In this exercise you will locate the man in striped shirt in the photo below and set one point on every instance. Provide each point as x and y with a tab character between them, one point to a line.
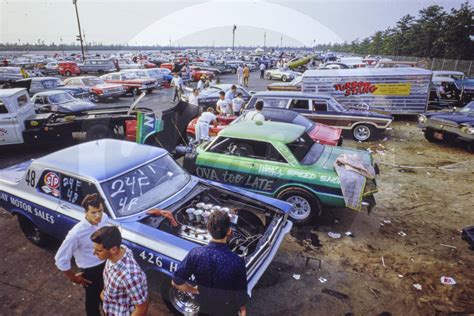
125	285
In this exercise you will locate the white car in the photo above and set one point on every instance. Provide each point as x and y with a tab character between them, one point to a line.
280	74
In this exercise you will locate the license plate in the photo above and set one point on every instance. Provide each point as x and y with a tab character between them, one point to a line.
438	135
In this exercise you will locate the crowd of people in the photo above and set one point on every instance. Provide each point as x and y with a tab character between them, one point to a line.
115	284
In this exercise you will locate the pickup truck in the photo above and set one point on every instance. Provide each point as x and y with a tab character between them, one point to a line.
45	195
19	124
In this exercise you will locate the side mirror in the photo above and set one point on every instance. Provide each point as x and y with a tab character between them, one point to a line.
252	92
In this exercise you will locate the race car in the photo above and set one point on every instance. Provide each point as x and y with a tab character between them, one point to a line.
46	194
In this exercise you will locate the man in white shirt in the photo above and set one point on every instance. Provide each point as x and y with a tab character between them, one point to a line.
262	70
223	105
193	97
240	74
78	245
255	115
200	84
203	123
237	103
178	85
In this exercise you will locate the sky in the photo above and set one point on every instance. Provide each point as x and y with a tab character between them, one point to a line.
200	23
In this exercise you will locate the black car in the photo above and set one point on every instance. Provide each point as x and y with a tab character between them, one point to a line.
455	126
210	96
41	84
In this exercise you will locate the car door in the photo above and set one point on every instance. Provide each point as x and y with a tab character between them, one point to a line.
23	112
8	132
323	112
300	105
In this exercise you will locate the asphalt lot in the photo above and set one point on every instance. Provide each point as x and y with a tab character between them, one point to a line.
367	274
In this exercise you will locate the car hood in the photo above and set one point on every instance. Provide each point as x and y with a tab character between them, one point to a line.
327	135
106	86
71	88
456	117
330	154
75	106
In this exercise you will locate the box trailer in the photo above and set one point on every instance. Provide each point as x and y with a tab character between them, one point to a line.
391	90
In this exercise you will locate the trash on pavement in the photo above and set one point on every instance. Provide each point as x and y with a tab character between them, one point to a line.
402	233
296	276
448	280
334	235
322	280
417	286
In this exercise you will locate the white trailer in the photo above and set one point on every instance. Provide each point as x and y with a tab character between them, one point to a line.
390	90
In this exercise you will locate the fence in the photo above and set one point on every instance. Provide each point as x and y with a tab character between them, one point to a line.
441	63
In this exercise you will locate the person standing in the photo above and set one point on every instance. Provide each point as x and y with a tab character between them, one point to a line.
125	285
78	245
246	74
220	275
240	73
237	104
255	115
193	97
200	84
178	85
262	70
24	73
201	129
223	105
232	93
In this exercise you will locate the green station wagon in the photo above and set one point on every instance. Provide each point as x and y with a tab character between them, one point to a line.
276	159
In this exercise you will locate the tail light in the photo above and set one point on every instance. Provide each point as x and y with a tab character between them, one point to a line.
131	130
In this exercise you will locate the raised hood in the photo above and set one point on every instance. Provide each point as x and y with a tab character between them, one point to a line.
330	153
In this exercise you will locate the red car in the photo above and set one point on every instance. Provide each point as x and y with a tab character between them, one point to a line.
99	89
68	68
169	66
197	73
130	82
320	133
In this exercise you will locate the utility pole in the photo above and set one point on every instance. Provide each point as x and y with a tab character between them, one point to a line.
62	45
264	41
170	44
281	42
79	38
233	37
85	42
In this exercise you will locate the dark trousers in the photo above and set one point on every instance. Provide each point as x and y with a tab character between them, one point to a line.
262	72
95	275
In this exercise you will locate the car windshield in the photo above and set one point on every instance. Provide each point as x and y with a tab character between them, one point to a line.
145	187
469	108
93	81
336	106
165	71
296	81
303	121
60	98
52	83
129	75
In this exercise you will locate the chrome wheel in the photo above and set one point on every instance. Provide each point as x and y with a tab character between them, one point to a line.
301	207
362	132
94	97
183	302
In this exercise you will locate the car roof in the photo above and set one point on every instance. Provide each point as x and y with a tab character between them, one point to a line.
264	131
360	72
290	94
51	92
101	159
43	78
439	73
5	93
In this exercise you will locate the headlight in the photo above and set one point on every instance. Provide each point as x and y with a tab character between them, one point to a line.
468	129
421	118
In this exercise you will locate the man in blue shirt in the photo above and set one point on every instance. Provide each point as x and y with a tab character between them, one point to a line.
220	275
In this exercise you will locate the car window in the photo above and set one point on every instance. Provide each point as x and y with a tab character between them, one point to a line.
320	105
240	147
22	100
39	100
48	84
3	108
274	102
36	86
240	90
115	77
299	104
305	150
273	154
74	190
49	183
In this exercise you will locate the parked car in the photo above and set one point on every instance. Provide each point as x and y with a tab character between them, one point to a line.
99	89
449	89
50	68
10	74
322	108
167	76
130	82
40	84
280	74
455	126
293	85
68	68
99	66
197	73
46	194
319	133
277	159
125	63
209	96
148	74
60	101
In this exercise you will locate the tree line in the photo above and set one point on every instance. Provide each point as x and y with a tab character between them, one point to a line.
435	33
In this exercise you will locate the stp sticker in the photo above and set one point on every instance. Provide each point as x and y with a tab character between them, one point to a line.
51	181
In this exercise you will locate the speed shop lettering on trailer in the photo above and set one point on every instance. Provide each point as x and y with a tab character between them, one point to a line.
27	207
250	181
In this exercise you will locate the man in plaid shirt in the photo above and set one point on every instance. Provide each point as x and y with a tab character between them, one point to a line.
125	286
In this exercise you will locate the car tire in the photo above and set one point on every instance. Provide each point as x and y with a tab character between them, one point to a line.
179	303
470	147
233	70
268	76
190	138
362	132
305	204
68	73
284	78
98	131
100	72
149	90
32	232
116	98
135	92
94	98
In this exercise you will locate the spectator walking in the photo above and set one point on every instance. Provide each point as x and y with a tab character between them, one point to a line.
262	70
246	74
240	73
178	85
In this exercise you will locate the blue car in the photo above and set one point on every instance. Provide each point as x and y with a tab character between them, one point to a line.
45	194
455	126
